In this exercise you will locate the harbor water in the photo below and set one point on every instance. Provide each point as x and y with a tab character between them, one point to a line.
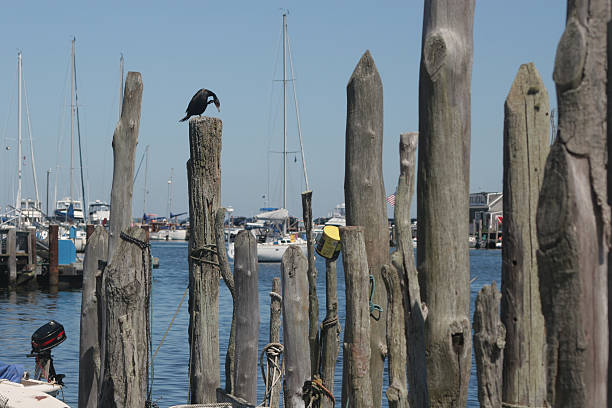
22	312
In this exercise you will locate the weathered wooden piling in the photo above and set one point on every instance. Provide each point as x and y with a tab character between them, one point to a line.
573	218
415	312
89	229
53	255
364	193
294	267
397	393
204	179
247	316
526	146
443	191
275	332
125	139
330	333
12	251
356	383
89	346
489	342
228	278
313	300
32	261
127	282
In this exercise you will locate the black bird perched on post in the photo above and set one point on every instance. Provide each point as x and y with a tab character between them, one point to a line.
199	102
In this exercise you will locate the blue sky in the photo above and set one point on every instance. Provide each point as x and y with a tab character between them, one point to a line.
233	48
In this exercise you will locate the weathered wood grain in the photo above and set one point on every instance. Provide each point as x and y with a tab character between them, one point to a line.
294	267
275	337
125	139
247	316
53	255
127	292
443	191
330	332
89	343
526	146
364	192
573	218
489	342
356	382
313	300
204	184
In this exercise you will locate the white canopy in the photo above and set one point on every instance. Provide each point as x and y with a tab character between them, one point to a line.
277	215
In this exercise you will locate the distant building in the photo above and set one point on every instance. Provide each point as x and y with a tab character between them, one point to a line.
487	207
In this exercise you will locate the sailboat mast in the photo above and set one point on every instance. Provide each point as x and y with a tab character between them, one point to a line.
284	111
72	124
19	75
146	191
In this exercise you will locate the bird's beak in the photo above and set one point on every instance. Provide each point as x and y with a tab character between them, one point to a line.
218	105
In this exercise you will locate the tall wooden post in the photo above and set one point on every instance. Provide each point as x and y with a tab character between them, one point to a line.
573	218
89	345
12	251
247	317
127	282
125	140
32	261
295	325
356	383
89	229
313	300
364	193
489	342
415	312
53	255
443	191
204	178
526	146
330	332
275	326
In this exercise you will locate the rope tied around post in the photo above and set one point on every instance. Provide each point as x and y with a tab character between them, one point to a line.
198	254
313	391
374	306
273	352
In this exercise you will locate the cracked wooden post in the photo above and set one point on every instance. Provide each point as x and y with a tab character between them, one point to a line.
415	312
356	383
127	283
125	139
330	332
53	255
313	300
275	326
526	146
294	267
573	218
89	344
204	183
247	317
228	278
364	193
443	191
489	342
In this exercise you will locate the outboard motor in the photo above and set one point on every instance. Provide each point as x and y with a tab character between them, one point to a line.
44	339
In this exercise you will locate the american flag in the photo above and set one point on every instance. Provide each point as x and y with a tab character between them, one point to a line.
391	200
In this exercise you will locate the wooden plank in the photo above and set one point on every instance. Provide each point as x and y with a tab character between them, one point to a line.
526	146
204	183
125	139
247	316
573	218
489	343
330	333
364	192
127	292
443	191
415	312
313	300
89	344
356	383
294	267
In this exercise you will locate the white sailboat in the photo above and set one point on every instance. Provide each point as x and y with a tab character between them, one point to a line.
273	248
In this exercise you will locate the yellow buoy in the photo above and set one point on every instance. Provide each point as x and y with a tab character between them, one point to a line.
329	243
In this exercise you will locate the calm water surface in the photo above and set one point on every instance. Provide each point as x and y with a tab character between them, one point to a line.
22	312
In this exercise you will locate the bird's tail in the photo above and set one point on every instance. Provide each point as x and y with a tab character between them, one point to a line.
185	118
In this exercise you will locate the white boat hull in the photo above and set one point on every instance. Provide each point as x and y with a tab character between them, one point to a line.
14	395
271	252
